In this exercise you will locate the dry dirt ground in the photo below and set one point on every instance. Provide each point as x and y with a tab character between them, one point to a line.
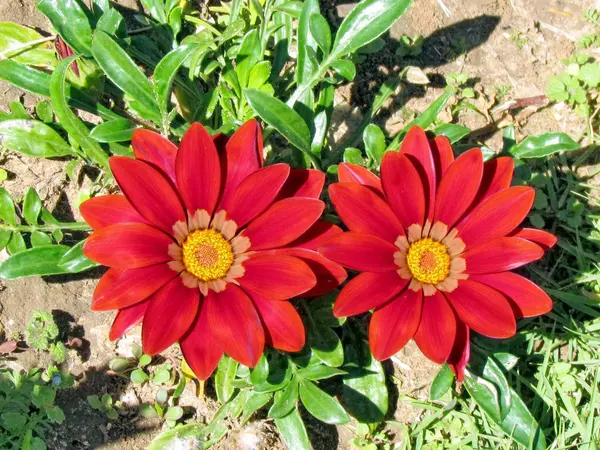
513	43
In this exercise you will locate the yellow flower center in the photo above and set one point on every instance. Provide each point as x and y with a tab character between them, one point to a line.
428	261
207	254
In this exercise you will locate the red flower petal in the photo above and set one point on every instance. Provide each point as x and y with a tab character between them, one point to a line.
360	251
283	326
461	351
154	149
501	254
100	212
149	191
544	239
285	221
119	288
276	277
316	235
367	291
353	173
483	309
497	175
128	246
303	183
235	324
363	210
416	145
198	170
458	187
441	151
243	155
394	324
169	316
199	348
437	330
256	193
126	319
403	188
528	298
497	215
329	274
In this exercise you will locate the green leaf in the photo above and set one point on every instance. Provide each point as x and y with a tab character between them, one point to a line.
256	401
144	360
78	132
165	72
37	261
364	394
292	8
118	130
70	21
112	22
321	405
138	376
38	82
122	71
174	413
509	138
541	145
248	56
281	117
260	373
13	40
285	400
556	90
224	378
42	396
74	260
162	376
304	67
452	131
94	402
441	383
319	28
32	206
44	111
326	345
365	23
292	431
345	68
374	140
319	372
39	239
14	422
485	395
494	374
590	74
259	75
55	414
7	208
16	243
119	365
156	9
33	138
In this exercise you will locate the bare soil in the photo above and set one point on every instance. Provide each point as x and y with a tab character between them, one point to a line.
514	43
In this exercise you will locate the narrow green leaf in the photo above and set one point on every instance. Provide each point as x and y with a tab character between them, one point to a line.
543	145
319	28
38	82
485	395
70	21
78	132
248	56
156	9
122	71
292	8
374	140
304	67
281	117
292	431
256	401
119	130
33	138
37	261
74	261
493	373
365	23
260	373
321	405
441	383
285	400
224	378
452	131
165	72
112	22
7	208
319	372
32	206
509	138
13	40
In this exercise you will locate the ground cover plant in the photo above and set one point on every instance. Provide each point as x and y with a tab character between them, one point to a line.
289	267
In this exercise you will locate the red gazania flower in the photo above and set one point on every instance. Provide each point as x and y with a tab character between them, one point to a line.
206	244
435	240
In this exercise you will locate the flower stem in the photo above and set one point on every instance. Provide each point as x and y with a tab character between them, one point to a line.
48	228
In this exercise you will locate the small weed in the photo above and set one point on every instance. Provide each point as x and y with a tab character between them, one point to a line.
42	334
